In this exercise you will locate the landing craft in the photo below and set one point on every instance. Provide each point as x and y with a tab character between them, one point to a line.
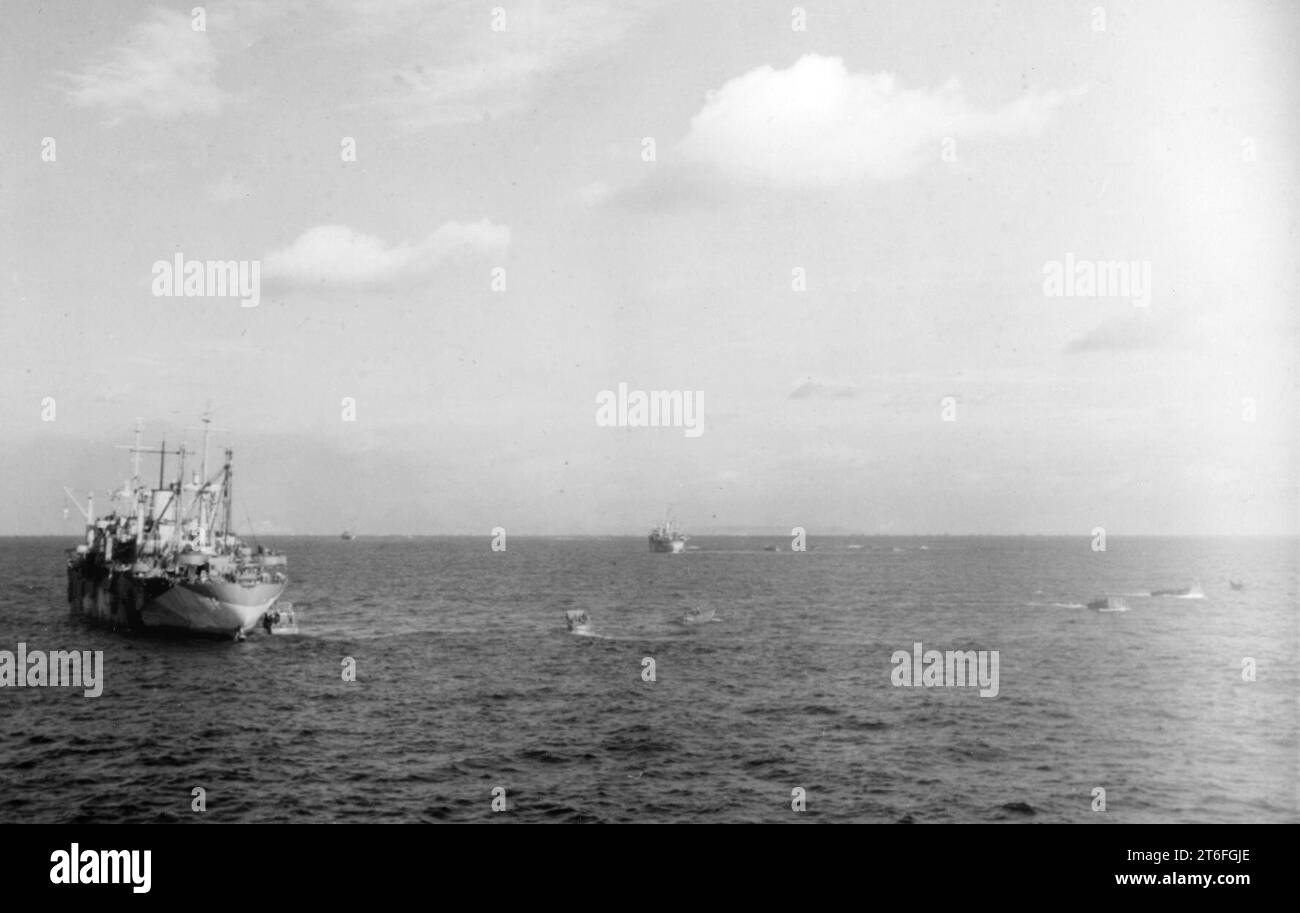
697	616
167	558
579	622
280	620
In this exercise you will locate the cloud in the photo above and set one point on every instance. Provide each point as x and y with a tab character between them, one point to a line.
165	69
227	190
461	70
811	389
1188	325
337	255
594	194
440	64
817	124
1118	335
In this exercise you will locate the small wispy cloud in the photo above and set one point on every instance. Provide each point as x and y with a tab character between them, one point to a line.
812	389
227	190
594	194
337	255
817	124
1141	330
461	70
164	69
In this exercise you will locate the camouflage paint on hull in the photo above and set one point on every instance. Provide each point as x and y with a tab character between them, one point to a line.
211	607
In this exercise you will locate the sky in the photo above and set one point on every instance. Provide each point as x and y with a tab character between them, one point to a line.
835	223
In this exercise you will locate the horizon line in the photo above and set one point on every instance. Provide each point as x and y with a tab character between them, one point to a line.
734	534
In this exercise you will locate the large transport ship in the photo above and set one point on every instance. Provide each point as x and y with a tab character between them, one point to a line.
166	558
666	537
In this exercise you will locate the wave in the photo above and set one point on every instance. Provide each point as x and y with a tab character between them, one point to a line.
1192	592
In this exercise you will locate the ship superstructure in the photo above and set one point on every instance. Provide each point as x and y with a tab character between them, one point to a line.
167	557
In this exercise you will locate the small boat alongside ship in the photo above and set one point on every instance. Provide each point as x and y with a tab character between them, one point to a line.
579	622
167	559
1109	604
668	538
280	619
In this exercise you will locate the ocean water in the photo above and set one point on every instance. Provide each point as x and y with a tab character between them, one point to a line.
467	680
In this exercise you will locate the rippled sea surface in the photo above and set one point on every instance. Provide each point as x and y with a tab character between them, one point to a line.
467	680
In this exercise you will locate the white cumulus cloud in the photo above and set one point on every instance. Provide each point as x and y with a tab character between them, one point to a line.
817	124
337	255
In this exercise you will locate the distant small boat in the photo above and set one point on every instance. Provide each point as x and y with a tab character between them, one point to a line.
1109	604
579	623
697	616
348	534
771	548
1236	584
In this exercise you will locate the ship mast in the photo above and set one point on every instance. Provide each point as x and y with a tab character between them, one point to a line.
143	496
226	492
205	516
135	455
206	419
180	501
136	451
136	493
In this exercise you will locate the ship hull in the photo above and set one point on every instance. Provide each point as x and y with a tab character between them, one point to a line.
667	546
211	608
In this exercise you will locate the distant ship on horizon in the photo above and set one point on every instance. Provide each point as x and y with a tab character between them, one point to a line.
667	538
348	534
